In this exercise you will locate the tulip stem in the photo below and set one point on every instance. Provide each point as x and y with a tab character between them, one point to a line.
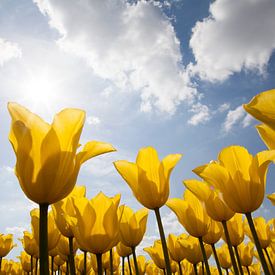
229	245
123	263
247	269
204	256
164	272
0	263
180	269
163	242
195	269
238	259
216	258
71	256
52	264
269	260
43	239
85	262
111	262
226	270
99	264
36	266
257	243
129	265
135	260
31	265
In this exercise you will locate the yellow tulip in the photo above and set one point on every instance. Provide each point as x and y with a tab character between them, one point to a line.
214	233
123	250
176	252
210	196
149	177
53	232
132	226
6	244
191	247
97	223
235	228
156	254
106	261
191	214
64	211
238	172
151	268
263	232
58	260
246	252
79	260
47	163
262	107
63	246
25	260
224	257
29	244
271	197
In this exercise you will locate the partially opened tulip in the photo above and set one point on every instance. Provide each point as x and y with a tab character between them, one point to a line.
238	172
132	228
149	180
25	260
224	257
246	252
156	254
6	245
47	162
97	224
192	215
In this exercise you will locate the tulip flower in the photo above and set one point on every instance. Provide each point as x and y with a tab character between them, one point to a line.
192	215
47	162
246	252
149	180
177	254
81	266
132	228
193	251
63	212
271	197
6	245
96	227
238	172
25	260
224	257
156	254
123	251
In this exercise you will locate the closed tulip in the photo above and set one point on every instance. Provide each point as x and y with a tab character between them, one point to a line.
63	246
176	252
53	232
6	245
29	243
246	252
25	260
235	229
123	250
224	257
156	254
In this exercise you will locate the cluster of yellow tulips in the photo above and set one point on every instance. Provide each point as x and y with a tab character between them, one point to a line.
106	234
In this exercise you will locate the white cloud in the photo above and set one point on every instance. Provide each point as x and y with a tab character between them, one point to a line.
16	230
236	117
93	120
201	114
236	35
8	50
132	45
171	224
224	107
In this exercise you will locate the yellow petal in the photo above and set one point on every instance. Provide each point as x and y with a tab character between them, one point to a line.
92	149
198	188
267	134
271	197
262	107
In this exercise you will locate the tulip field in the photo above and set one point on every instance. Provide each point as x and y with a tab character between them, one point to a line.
75	234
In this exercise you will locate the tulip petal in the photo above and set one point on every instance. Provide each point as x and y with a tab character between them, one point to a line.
271	197
262	107
198	188
267	135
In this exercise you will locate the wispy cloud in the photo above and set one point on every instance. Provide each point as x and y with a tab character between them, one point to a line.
8	50
201	114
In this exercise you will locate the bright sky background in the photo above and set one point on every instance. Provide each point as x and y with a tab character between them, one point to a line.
171	74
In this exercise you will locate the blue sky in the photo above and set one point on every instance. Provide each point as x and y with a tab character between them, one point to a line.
170	74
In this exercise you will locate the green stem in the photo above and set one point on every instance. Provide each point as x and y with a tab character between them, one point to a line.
163	242
216	258
195	269
257	243
229	245
129	265
52	264
111	262
226	270
99	264
164	272
43	239
123	260
71	256
204	256
269	260
85	262
58	270
202	268
0	263
36	266
67	267
135	260
247	269
238	259
180	269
